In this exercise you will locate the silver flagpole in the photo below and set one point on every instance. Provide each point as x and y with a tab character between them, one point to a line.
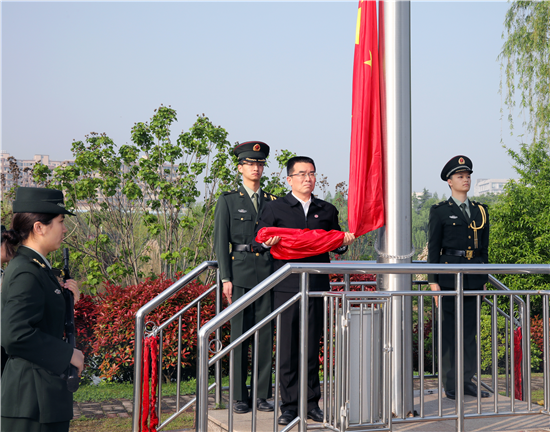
394	240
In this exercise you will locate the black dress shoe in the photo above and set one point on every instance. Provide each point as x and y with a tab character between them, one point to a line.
241	407
471	390
287	417
316	414
264	405
450	394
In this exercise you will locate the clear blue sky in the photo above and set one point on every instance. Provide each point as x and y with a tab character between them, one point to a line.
277	72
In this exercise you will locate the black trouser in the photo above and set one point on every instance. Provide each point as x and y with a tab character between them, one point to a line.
289	352
240	324
11	424
448	330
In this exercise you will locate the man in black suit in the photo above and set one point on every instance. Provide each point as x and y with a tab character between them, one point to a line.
300	209
458	234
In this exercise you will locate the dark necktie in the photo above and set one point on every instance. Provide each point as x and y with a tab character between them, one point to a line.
255	201
463	208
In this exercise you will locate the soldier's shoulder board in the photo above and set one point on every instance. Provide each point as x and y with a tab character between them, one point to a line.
229	193
439	204
269	197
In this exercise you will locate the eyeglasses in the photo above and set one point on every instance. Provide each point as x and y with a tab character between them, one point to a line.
302	175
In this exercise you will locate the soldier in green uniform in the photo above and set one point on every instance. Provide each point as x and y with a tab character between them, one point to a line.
34	396
458	234
243	264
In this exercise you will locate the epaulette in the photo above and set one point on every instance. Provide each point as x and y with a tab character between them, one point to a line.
269	196
479	203
438	204
229	193
34	260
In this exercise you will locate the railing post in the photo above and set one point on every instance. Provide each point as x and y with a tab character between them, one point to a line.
304	312
202	383
138	353
218	370
459	390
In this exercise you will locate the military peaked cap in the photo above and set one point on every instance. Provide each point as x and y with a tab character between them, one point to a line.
456	164
39	200
253	151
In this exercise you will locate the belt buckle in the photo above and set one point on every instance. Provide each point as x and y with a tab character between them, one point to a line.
469	254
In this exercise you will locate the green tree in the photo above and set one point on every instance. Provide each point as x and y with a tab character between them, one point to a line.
520	220
146	207
420	215
525	58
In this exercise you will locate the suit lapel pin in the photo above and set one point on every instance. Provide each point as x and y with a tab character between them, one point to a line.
316	216
57	291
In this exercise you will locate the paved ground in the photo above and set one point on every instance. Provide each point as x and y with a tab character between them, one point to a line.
123	407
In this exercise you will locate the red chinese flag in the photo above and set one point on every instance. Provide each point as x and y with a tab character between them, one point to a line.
365	196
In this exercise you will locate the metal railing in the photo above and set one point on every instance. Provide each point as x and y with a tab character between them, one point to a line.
204	362
333	389
141	331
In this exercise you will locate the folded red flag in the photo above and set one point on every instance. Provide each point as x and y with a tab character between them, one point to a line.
300	243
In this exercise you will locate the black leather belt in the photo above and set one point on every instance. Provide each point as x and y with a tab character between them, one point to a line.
246	248
461	253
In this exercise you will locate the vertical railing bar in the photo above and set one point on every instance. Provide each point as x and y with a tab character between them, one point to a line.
494	352
459	322
325	354
546	349
439	356
231	388
347	287
218	368
159	399
178	375
330	368
361	362
277	377
254	389
527	351
507	356
434	356
372	352
478	351
303	375
346	363
420	314
390	363
512	356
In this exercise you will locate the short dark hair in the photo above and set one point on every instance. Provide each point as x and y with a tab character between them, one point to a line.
297	159
23	223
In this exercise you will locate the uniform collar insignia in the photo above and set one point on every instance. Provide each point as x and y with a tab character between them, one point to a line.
242	211
241	193
39	263
453	217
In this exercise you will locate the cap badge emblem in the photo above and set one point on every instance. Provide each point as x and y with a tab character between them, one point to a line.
461	161
256	147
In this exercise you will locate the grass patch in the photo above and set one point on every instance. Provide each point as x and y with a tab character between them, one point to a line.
83	424
107	391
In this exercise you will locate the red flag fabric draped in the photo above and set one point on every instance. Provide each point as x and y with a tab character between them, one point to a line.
365	196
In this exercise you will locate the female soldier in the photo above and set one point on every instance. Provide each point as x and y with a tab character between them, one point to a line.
34	396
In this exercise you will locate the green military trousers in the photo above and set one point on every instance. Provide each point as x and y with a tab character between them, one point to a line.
240	324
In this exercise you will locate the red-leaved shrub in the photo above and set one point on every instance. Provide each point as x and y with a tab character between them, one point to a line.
537	332
106	326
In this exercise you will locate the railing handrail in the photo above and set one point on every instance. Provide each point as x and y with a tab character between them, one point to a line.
140	327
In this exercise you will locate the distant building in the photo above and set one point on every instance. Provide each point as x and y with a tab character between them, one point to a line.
485	186
19	171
